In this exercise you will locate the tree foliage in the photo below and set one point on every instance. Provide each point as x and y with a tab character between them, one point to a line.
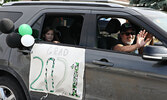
5	1
156	4
9	0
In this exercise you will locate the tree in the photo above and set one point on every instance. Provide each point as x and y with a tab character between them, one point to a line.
5	1
156	4
9	0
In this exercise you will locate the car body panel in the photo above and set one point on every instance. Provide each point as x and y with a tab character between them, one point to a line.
121	74
19	56
108	74
4	51
122	80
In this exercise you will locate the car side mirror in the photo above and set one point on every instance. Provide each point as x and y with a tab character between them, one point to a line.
155	53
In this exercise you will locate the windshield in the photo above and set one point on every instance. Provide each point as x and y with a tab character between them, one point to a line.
157	17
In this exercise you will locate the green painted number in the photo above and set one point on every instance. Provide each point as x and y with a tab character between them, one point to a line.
38	75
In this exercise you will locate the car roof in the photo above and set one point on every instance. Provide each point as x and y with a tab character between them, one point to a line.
63	3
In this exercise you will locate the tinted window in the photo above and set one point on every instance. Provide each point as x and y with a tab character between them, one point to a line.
37	26
14	16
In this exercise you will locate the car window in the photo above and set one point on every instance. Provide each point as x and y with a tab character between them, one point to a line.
14	16
110	34
108	31
66	27
37	26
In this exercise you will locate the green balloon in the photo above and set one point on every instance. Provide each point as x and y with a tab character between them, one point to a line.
25	29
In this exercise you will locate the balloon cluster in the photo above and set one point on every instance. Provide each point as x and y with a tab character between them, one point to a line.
25	31
15	40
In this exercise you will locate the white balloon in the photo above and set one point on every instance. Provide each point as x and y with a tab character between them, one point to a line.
27	40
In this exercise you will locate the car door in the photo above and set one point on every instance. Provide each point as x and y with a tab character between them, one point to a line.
112	75
43	55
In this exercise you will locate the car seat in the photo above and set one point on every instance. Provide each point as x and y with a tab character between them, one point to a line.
75	30
65	35
107	42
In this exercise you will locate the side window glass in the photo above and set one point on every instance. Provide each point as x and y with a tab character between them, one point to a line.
122	35
37	27
14	16
65	29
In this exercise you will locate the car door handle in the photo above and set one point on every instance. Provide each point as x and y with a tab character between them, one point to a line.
103	63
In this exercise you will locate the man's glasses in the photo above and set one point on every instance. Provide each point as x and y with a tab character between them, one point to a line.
128	33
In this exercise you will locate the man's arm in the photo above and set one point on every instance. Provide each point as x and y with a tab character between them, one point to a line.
139	43
129	48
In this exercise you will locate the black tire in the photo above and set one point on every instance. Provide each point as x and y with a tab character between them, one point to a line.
10	88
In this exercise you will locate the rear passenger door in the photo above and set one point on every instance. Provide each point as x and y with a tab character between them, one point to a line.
64	80
112	75
48	61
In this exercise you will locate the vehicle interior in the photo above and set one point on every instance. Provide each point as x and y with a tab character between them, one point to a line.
68	27
109	31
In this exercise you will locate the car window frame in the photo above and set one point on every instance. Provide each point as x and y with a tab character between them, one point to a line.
64	11
41	25
129	16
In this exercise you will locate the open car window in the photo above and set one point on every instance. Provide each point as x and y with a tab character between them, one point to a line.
67	27
109	34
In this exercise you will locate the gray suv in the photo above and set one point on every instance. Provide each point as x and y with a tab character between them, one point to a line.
83	65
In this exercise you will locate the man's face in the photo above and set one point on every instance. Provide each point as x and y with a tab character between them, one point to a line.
128	37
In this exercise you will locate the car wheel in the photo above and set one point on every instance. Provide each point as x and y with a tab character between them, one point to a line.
10	89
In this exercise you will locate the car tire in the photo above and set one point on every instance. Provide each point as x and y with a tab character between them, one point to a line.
10	89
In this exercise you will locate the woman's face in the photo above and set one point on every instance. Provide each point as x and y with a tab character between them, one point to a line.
49	36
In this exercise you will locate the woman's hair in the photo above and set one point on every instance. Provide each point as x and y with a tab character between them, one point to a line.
56	34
